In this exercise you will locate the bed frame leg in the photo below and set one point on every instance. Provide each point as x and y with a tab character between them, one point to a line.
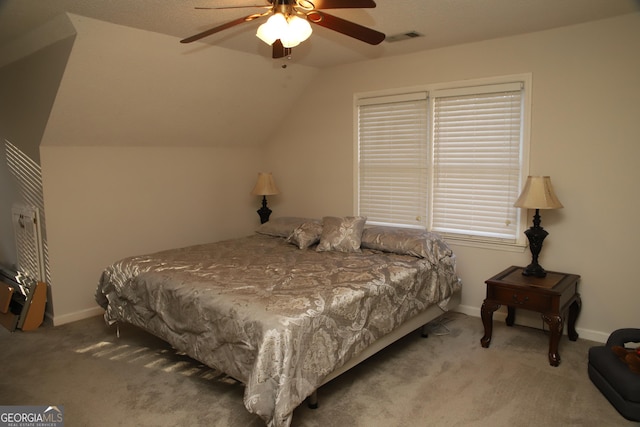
424	331
312	401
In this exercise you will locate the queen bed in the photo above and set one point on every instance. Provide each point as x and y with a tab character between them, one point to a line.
289	308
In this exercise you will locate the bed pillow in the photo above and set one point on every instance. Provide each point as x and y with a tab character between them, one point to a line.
282	226
341	234
305	235
406	241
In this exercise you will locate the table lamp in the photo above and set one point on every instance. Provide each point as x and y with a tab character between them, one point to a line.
265	186
537	194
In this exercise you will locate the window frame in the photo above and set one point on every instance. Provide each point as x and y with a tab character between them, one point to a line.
461	239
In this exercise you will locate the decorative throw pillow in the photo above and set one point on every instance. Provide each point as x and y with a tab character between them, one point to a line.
406	241
341	234
305	234
283	226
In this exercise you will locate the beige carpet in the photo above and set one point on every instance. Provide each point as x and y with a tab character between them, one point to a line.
444	380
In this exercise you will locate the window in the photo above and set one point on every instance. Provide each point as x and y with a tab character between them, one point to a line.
31	243
449	160
393	172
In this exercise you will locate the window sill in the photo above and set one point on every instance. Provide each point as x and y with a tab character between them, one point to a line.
498	246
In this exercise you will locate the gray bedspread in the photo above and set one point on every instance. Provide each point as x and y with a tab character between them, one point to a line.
275	317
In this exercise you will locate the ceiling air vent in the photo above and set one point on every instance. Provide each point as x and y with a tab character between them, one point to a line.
403	36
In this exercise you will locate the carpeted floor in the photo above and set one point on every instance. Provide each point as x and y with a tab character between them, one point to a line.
447	379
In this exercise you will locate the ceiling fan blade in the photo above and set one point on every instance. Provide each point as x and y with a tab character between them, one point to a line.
220	28
345	27
233	7
279	51
339	4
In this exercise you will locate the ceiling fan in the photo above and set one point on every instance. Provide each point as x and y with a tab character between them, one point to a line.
288	22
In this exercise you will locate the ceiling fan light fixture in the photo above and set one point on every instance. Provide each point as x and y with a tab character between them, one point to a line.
272	30
291	30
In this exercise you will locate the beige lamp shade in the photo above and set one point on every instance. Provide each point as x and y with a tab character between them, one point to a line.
538	194
265	186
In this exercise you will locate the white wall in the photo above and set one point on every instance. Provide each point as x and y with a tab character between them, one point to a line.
135	138
584	135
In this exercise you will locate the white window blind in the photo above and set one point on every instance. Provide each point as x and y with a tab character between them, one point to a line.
393	159
477	135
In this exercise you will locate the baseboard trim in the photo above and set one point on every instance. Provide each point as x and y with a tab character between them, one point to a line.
529	319
77	315
532	320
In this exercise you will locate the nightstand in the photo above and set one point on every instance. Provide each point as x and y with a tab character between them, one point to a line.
553	296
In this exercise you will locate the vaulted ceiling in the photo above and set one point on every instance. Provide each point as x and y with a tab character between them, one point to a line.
441	22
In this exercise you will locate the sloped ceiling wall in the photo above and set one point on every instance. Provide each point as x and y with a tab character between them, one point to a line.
131	87
30	72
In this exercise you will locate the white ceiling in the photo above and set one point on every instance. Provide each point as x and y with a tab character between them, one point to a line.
442	22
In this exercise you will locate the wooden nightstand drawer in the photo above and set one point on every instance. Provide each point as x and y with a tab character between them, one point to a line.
518	299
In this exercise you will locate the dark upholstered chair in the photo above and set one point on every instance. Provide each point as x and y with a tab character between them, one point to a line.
613	377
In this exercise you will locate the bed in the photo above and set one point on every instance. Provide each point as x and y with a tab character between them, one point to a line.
290	307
